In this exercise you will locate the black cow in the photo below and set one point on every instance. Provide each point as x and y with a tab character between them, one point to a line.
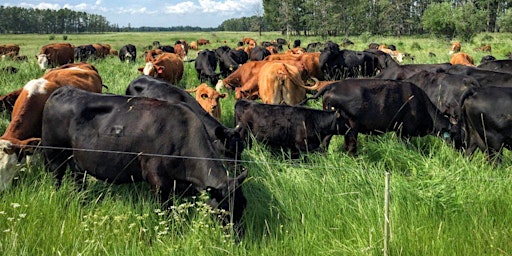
487	58
486	113
375	106
314	47
226	140
396	71
258	53
504	66
84	52
296	128
166	48
122	139
444	90
205	64
484	77
296	43
128	53
338	64
230	59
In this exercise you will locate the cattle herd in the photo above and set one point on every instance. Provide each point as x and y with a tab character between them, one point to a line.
124	138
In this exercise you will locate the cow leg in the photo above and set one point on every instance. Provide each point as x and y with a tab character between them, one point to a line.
154	173
56	161
350	143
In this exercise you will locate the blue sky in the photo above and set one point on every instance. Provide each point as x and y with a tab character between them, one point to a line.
202	13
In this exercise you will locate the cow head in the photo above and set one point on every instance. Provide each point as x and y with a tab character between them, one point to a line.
42	60
12	157
148	69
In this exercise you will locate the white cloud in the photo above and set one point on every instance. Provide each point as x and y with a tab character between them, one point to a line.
182	8
40	6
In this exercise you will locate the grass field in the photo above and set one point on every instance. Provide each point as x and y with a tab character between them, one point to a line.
442	203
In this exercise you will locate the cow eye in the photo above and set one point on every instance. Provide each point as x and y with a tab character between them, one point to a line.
204	96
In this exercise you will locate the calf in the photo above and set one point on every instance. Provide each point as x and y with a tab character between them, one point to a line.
88	130
296	128
375	106
462	58
128	53
226	140
209	99
24	130
167	66
486	119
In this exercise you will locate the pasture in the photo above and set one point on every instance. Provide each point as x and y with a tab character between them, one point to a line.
442	203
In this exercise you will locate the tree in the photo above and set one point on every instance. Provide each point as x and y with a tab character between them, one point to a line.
438	19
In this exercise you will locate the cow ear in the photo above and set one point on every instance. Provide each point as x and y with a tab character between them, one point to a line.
160	70
140	69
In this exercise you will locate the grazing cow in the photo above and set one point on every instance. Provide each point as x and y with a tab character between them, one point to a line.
310	60
297	128
280	83
88	130
166	66
504	66
7	101
338	64
375	106
314	47
128	53
209	99
56	54
486	58
203	41
205	65
258	53
484	48
9	70
102	50
84	52
373	46
486	114
166	48
150	55
181	48
395	71
230	59
13	49
24	130
193	45
226	140
462	59
454	48
296	43
484	77
444	90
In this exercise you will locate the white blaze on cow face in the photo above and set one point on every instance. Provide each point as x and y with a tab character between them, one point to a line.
127	57
9	166
42	61
148	69
36	86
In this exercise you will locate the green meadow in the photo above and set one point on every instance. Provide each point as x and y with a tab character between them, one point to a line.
441	202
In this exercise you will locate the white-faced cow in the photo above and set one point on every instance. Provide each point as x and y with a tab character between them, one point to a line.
54	55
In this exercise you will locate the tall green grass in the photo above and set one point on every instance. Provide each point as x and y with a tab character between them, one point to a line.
442	203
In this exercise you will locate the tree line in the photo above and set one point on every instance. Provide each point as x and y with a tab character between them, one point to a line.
325	18
448	18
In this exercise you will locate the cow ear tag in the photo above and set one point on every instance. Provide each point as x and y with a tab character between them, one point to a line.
446	135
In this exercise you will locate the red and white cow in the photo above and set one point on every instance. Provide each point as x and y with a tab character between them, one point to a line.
166	66
56	54
24	130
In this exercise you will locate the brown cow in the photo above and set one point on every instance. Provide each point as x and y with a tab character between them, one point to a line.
179	49
281	83
150	55
24	129
310	60
484	48
7	101
202	41
56	54
193	45
462	59
9	48
209	99
167	66
455	48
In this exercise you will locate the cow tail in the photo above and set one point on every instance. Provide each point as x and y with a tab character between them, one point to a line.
319	94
